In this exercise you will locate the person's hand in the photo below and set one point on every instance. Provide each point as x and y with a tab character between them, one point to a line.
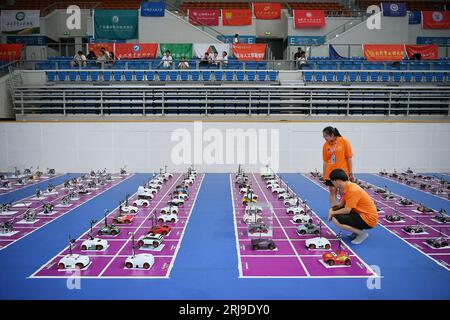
352	178
330	214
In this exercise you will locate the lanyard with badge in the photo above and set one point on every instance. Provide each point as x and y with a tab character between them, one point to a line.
333	153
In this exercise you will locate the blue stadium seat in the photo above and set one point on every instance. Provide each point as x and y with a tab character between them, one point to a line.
73	75
128	75
318	75
363	75
307	76
329	76
51	75
397	76
418	76
429	77
262	65
184	75
273	75
239	75
173	75
385	76
352	76
439	76
83	75
407	76
150	75
139	75
206	75
94	75
107	75
117	75
340	76
251	75
229	75
373	76
195	75
62	75
262	75
218	75
162	75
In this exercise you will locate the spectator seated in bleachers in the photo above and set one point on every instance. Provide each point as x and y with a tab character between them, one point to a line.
78	60
104	58
302	61
206	60
183	64
166	60
91	56
224	59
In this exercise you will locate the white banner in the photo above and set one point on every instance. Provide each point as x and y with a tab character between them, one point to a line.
201	48
20	21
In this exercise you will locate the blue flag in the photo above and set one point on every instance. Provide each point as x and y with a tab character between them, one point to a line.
153	9
393	9
332	53
415	17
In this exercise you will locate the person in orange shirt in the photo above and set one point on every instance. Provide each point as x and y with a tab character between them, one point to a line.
356	212
337	154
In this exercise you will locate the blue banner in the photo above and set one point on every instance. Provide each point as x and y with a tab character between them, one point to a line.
332	53
440	41
242	39
28	40
415	17
153	9
393	9
305	40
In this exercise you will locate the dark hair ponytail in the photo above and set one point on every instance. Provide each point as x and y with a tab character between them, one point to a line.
332	131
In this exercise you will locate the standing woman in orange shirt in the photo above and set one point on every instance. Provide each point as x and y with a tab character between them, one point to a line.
337	154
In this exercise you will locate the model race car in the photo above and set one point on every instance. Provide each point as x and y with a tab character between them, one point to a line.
442	217
406	202
140	261
128	209
286	196
413	229
257	228
393	218
292	202
307	228
440	242
73	261
251	216
302	218
168	218
169	209
176	201
318	243
123	219
252	208
278	190
160	229
422	208
262	244
148	240
93	244
388	196
337	258
108	229
249	198
141	203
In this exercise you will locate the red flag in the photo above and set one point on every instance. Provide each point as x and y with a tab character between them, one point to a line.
383	52
309	19
267	10
252	52
204	17
97	46
136	50
436	19
10	51
236	17
427	51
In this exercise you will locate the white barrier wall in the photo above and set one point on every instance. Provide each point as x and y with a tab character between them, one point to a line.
146	146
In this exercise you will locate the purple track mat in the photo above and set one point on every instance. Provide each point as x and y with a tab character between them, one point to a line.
434	186
410	217
18	208
14	186
110	262
291	258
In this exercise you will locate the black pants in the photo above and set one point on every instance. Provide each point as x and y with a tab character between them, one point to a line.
352	219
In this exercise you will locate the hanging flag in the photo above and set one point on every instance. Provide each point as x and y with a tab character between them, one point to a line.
309	19
383	52
305	40
10	51
252	52
201	48
436	19
153	9
204	17
97	46
236	17
440	41
415	17
332	53
177	50
393	9
20	21
136	50
242	39
427	52
267	10
115	24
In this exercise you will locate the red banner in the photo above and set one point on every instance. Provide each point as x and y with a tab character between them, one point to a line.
10	52
267	10
236	17
252	52
383	52
436	19
136	50
309	19
97	46
427	51
204	17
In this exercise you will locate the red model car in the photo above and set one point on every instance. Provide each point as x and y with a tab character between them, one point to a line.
123	219
159	229
337	258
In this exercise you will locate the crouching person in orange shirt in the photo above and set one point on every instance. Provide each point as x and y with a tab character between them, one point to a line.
356	212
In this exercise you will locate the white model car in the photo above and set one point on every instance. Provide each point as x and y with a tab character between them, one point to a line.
278	190
318	243
245	190
189	181
285	196
183	196
253	207
302	218
129	209
94	244
148	240
140	261
158	181
296	210
251	217
167	175
153	186
141	203
176	202
171	217
144	193
273	185
169	210
73	261
291	202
